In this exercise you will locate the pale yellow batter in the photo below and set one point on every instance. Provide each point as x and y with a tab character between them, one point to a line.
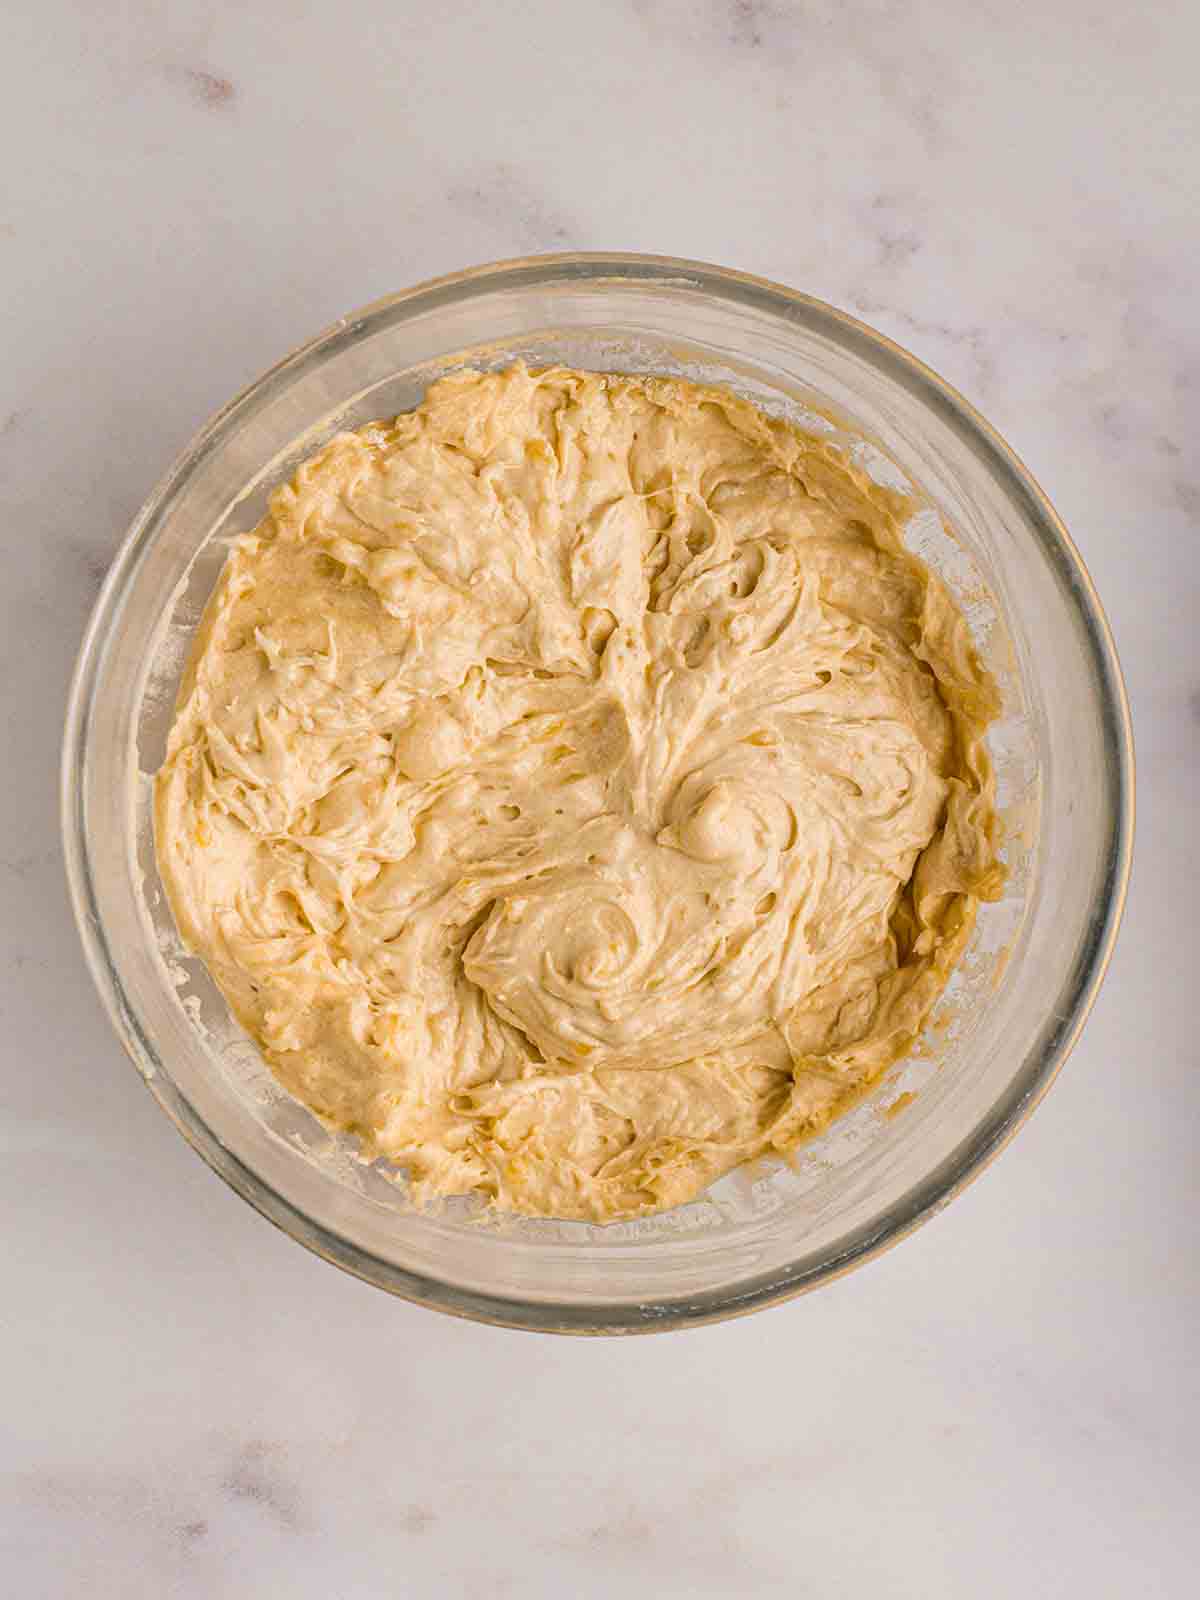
577	790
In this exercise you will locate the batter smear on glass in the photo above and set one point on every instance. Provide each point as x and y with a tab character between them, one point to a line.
577	789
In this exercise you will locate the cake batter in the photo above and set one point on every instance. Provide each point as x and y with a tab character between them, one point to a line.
577	789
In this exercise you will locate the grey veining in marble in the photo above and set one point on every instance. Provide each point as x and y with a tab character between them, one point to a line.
1008	1403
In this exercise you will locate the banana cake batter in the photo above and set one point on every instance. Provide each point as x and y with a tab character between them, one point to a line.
577	789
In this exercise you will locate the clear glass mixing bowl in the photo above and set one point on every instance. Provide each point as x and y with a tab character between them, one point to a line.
1063	754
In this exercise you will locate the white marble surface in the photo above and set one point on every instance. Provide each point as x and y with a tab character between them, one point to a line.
1006	1405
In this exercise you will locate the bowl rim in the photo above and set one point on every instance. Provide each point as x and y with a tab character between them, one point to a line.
971	1156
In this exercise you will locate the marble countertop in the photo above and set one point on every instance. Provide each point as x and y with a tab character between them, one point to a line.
1007	1404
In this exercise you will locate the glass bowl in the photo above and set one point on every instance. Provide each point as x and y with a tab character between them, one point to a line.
1063	755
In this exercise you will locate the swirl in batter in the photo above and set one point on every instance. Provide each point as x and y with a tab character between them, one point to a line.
577	789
